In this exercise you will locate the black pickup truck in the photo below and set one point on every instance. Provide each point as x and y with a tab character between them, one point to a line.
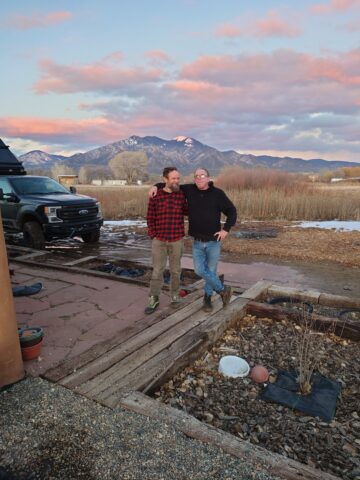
43	209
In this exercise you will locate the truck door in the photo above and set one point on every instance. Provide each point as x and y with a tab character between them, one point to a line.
9	205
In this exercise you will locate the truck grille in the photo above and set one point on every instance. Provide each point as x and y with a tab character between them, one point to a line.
78	212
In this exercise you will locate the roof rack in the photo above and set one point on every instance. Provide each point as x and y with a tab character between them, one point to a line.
9	164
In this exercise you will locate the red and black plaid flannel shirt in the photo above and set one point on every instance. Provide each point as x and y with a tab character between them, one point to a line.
165	216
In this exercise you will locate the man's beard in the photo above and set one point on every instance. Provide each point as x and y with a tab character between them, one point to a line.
174	188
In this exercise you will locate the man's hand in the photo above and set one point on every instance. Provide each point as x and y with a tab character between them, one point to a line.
220	235
152	192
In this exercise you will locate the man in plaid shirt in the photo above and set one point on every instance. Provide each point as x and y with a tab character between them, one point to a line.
165	220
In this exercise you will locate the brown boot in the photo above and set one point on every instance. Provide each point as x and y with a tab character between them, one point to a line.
226	295
207	305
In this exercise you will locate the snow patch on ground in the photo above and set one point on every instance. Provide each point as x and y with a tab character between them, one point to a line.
126	223
332	225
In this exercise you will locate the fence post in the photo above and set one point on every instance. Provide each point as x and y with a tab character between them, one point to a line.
11	364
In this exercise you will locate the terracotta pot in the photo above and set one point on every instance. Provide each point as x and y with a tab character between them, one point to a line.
29	353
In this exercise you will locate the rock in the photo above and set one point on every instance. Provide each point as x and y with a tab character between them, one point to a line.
355	473
349	448
209	417
305	419
199	392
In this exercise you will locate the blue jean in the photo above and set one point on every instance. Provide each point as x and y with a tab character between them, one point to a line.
205	257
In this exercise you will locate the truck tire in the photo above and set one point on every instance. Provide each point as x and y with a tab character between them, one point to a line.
33	235
91	237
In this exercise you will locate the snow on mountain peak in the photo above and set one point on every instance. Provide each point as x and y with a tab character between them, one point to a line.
187	140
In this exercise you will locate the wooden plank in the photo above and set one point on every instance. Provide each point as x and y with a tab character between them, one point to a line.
156	369
190	347
149	344
144	335
80	260
338	301
216	325
32	255
311	296
254	455
258	290
345	329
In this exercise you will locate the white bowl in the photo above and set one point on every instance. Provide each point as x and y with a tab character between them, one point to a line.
232	366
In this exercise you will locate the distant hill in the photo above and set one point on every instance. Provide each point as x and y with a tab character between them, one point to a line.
37	158
184	152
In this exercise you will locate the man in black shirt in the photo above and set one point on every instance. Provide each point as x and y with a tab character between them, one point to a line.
206	203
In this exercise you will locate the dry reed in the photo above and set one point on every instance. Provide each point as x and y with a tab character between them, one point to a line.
290	200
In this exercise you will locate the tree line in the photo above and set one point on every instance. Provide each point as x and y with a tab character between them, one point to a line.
129	166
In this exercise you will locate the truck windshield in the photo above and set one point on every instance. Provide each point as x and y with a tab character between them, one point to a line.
37	186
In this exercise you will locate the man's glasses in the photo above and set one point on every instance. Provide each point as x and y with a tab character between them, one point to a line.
202	176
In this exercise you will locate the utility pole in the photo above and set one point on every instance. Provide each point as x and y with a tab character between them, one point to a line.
11	364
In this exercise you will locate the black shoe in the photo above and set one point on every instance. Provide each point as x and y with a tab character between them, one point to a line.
153	305
207	305
226	295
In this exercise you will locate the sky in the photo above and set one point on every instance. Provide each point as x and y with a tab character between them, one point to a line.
264	77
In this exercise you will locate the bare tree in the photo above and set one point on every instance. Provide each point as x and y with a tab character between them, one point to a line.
90	172
129	166
61	169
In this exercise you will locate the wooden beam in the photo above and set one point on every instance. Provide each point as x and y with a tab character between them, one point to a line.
256	291
80	260
338	301
311	296
254	455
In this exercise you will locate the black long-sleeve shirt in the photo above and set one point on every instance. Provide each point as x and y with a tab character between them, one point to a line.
205	209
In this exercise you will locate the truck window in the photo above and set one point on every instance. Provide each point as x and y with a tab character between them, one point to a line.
37	186
6	187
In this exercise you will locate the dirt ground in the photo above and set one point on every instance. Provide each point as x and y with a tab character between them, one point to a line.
291	242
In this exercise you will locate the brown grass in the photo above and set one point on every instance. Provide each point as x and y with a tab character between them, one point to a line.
119	202
266	199
271	194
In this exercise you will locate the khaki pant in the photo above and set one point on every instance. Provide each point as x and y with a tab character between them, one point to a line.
161	251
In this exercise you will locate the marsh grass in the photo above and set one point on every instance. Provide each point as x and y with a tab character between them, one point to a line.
275	196
119	202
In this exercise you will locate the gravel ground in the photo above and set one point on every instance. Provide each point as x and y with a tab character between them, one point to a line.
48	432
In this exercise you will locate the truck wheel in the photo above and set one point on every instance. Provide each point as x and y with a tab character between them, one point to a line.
91	237
33	235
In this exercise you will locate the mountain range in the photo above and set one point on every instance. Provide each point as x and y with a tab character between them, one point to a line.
184	152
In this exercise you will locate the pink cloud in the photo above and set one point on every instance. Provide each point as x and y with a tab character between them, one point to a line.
99	76
333	6
98	131
282	67
272	25
158	56
37	20
228	30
